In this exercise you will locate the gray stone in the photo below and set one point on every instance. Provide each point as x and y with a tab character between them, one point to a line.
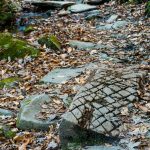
92	14
102	148
30	108
112	19
119	24
61	75
57	4
115	25
5	112
80	45
78	8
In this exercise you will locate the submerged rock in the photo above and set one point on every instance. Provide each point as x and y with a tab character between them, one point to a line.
28	115
97	106
15	48
78	8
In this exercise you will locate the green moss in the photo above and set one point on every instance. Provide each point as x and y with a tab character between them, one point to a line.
50	42
8	82
28	29
15	48
147	9
7	13
6	132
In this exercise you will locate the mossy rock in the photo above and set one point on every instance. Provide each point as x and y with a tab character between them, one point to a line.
28	29
50	42
15	48
147	9
7	13
8	82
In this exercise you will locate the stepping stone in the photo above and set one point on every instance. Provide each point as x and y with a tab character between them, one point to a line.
61	75
56	4
112	18
115	25
97	106
30	108
78	8
80	45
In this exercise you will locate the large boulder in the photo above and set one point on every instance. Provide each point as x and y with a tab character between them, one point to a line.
98	105
30	109
79	8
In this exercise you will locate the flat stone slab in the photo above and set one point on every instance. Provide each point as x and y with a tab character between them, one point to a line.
78	8
115	25
92	14
57	4
112	18
61	75
98	104
102	148
80	45
30	108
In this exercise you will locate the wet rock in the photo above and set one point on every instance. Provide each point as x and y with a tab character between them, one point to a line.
92	14
30	108
55	4
78	8
80	45
61	75
97	106
112	18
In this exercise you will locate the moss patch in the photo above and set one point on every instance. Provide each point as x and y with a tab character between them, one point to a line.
50	42
15	48
8	82
28	29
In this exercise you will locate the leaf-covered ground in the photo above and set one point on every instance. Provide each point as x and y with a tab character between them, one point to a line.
29	71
